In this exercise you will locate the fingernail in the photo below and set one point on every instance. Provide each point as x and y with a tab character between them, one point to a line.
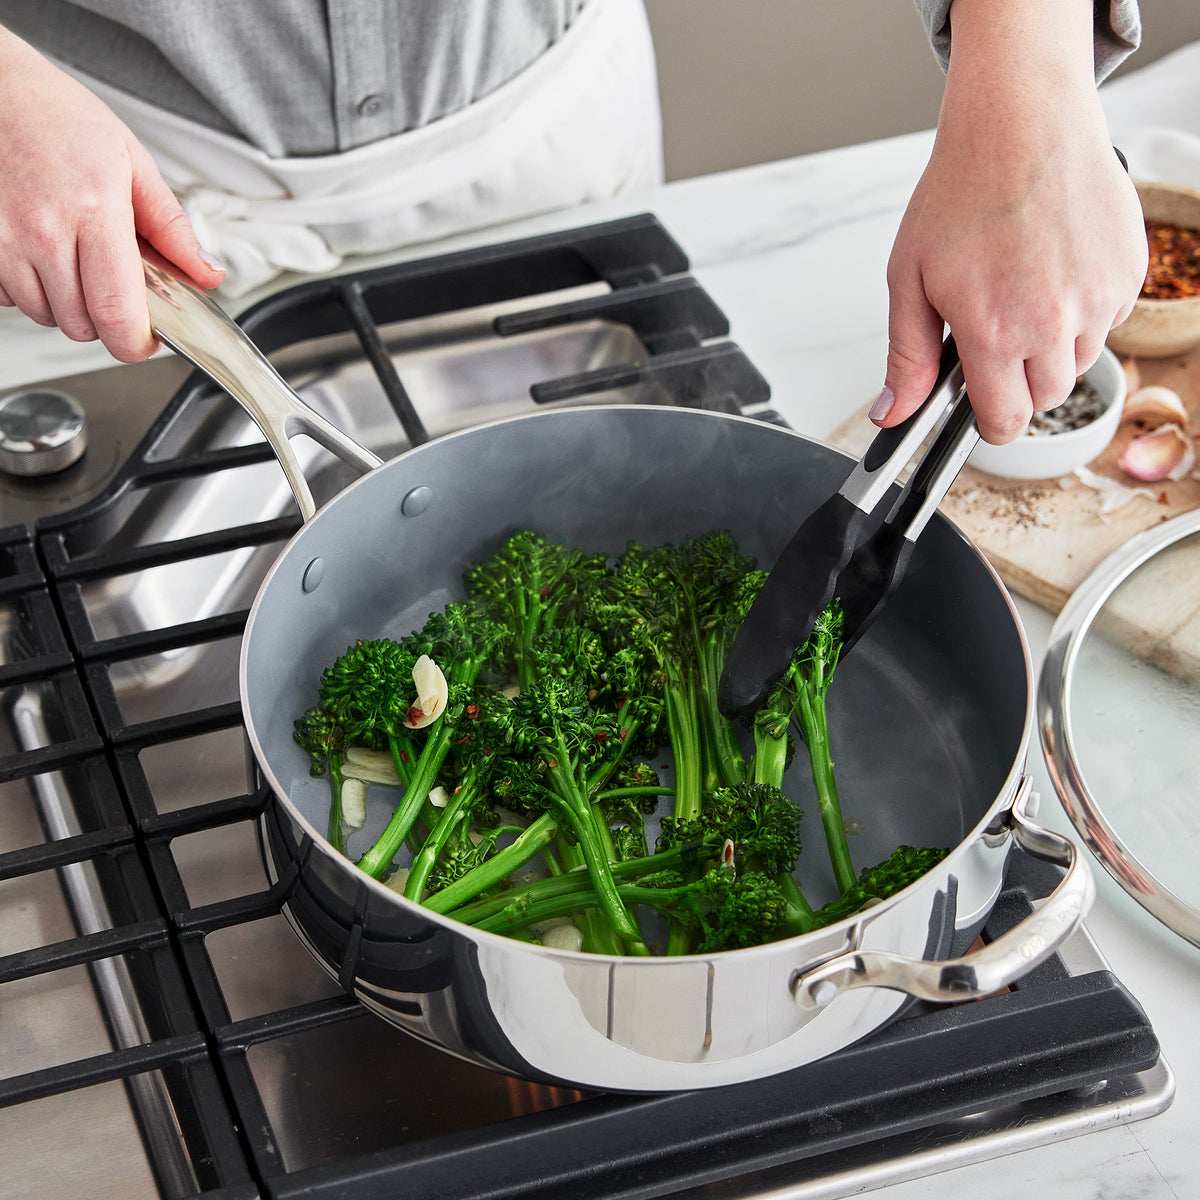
211	262
883	404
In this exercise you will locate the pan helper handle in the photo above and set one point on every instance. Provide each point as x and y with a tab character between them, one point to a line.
988	970
198	329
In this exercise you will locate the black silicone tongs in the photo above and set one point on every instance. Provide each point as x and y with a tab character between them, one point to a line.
843	550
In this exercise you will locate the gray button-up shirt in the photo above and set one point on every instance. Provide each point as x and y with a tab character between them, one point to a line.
298	77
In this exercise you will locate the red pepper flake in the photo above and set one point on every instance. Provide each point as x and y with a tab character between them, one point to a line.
473	712
1162	498
624	734
601	735
404	756
544	590
415	713
1174	270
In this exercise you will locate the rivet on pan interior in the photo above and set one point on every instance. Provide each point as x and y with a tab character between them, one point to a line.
417	501
313	574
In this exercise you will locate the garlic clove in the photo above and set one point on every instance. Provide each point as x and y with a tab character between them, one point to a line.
1167	453
432	694
1155	405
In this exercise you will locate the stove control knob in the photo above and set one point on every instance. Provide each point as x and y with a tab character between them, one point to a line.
41	432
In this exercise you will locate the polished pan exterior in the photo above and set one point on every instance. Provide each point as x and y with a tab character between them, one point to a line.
930	719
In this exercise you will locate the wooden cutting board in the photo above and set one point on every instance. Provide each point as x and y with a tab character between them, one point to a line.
1045	536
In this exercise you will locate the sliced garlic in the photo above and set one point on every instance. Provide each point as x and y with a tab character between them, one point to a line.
354	803
398	879
371	766
371	760
1167	453
562	935
1155	405
438	796
432	694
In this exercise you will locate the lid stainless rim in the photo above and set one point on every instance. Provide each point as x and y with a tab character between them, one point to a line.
1058	743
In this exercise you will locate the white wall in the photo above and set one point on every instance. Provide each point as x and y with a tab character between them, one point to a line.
747	81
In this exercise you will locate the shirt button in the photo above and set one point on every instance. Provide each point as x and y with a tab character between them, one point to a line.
371	106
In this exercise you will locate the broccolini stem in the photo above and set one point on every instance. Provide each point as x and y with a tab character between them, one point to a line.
378	859
566	903
592	844
403	757
727	760
337	838
800	912
815	723
770	753
683	730
537	836
448	820
515	917
571	881
615	793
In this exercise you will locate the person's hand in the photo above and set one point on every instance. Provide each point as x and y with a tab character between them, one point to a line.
76	192
1024	234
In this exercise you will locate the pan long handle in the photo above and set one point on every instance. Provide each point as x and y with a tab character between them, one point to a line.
195	326
987	970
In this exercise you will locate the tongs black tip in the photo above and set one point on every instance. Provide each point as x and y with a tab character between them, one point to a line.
798	589
837	553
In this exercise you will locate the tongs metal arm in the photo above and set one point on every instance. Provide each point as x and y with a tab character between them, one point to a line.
878	564
892	449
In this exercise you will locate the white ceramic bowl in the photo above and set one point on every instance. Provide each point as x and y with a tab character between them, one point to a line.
1048	455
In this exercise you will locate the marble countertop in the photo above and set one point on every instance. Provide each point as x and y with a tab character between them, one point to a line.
794	252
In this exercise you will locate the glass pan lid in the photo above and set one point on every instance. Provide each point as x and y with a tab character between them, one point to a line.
1119	716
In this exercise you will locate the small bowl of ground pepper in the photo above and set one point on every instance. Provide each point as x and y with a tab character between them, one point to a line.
1069	436
1166	317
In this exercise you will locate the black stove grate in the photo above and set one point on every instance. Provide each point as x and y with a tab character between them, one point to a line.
1053	1032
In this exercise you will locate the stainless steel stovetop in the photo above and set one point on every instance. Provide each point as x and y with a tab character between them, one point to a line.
162	1032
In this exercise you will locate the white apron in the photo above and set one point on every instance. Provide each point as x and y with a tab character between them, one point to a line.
581	123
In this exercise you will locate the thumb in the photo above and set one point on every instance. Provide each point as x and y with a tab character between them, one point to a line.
161	221
914	356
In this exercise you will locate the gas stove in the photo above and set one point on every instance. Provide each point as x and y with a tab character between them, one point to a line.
162	1031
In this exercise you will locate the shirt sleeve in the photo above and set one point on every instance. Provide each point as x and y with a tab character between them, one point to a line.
1117	31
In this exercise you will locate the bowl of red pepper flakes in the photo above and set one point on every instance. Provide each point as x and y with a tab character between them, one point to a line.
1165	320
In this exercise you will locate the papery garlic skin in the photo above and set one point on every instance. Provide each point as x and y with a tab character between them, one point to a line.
1133	375
1166	453
1155	405
1113	495
432	694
